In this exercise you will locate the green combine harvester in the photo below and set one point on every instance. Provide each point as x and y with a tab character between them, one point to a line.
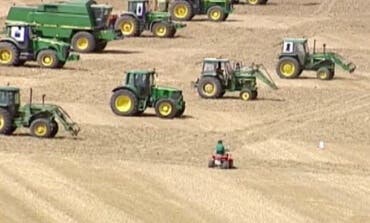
82	23
296	57
139	92
40	118
138	18
219	76
185	10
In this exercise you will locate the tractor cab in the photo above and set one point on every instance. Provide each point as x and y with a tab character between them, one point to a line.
140	80
217	67
9	99
139	8
297	48
20	33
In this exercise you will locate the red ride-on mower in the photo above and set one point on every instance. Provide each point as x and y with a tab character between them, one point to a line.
222	161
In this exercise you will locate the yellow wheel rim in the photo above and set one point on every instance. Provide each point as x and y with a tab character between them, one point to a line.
287	69
82	43
165	108
123	103
41	130
215	15
127	27
161	31
246	96
253	2
47	60
323	75
2	122
181	11
5	56
209	89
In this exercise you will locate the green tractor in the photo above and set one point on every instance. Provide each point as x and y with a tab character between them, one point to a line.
296	57
40	118
22	45
139	91
185	10
138	19
219	76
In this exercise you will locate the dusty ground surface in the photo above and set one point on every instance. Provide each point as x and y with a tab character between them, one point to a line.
151	170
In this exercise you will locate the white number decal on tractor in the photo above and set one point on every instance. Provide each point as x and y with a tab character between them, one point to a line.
139	9
18	33
288	47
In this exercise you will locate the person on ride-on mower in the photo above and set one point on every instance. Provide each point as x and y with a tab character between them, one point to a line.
220	149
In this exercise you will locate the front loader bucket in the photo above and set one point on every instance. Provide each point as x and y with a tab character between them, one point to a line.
340	61
264	78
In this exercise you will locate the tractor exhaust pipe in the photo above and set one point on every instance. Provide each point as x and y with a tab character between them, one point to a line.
30	96
324	48
314	46
43	99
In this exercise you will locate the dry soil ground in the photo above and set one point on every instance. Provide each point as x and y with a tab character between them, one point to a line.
146	169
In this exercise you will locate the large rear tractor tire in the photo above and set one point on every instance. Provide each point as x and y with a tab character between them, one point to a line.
9	54
288	68
41	128
166	108
128	25
210	87
181	11
124	103
54	129
162	30
216	14
48	59
256	2
6	123
325	74
84	42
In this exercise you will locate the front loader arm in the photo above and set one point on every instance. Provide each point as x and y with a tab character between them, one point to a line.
339	60
261	73
68	124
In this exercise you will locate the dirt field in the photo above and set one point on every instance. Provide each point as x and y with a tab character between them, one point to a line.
146	169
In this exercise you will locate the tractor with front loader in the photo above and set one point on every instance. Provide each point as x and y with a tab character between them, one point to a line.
296	57
219	76
41	118
22	44
139	18
139	92
185	10
86	25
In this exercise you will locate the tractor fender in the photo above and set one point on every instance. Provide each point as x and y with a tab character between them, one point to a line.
10	40
43	114
125	88
133	15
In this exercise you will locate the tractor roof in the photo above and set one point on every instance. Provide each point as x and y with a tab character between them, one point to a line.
215	60
7	88
296	40
141	72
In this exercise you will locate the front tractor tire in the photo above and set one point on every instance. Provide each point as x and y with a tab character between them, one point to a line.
216	14
209	87
181	11
256	2
181	111
48	59
325	74
162	30
84	42
166	108
246	95
288	68
54	129
41	128
128	25
9	54
124	103
6	123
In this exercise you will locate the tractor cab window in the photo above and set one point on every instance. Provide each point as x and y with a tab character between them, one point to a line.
228	68
17	99
209	67
3	98
142	83
138	8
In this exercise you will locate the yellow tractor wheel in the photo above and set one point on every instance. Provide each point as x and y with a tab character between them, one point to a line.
161	30
9	54
216	14
210	87
181	11
166	108
48	59
128	25
246	95
6	122
288	67
84	42
41	128
124	103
